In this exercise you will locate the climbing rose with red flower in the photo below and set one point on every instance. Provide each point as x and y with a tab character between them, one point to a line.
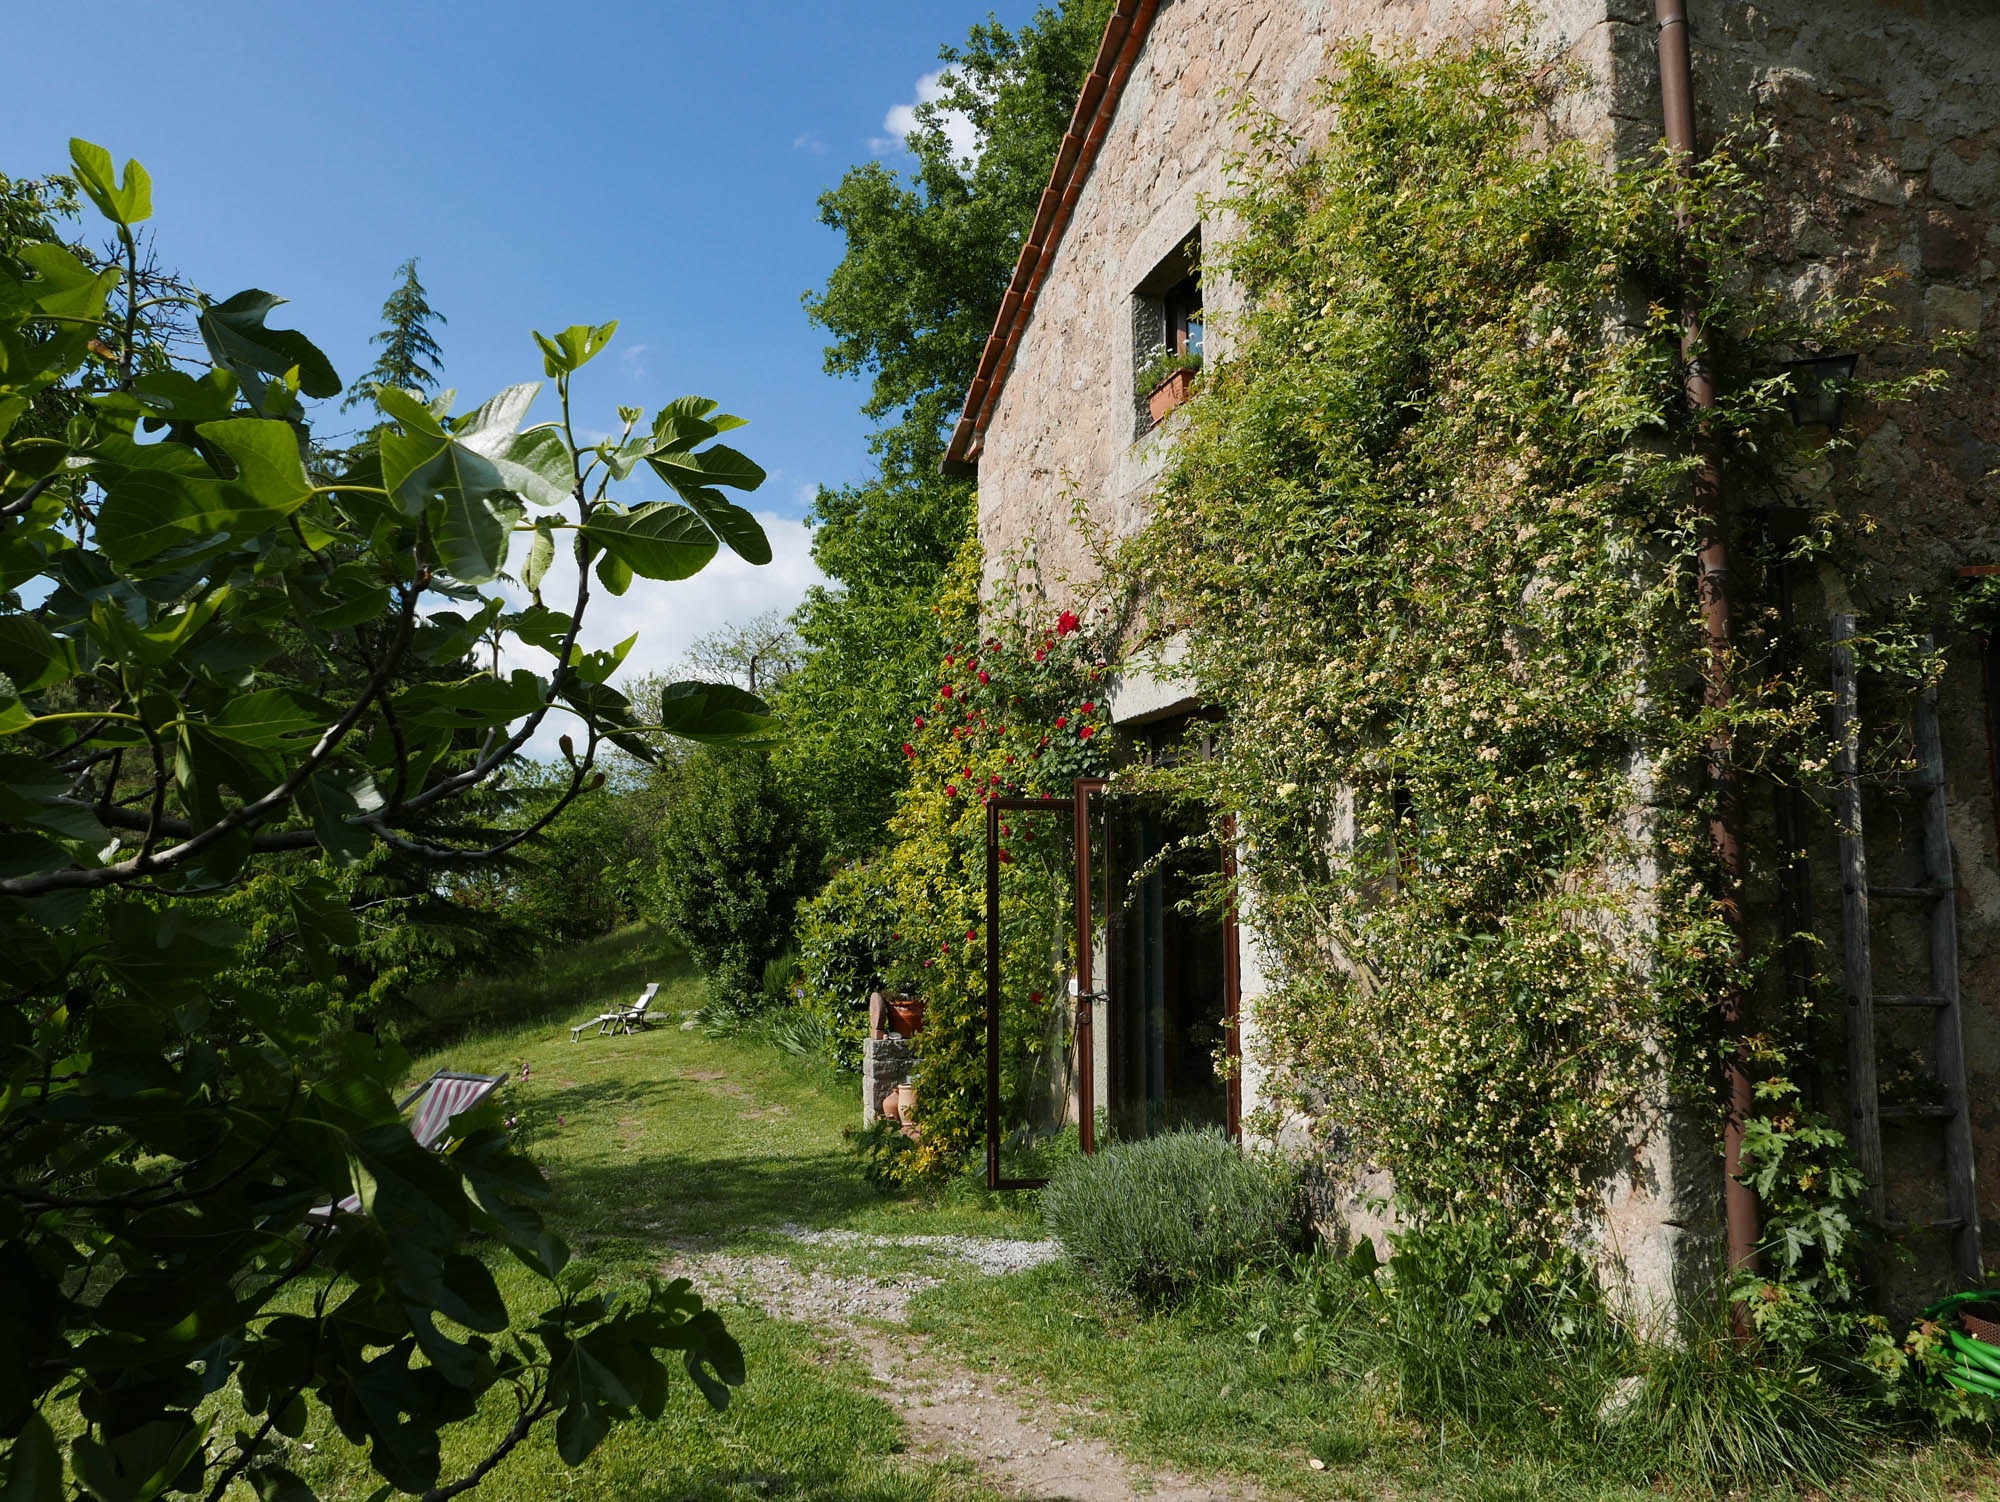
946	691
1066	623
1061	721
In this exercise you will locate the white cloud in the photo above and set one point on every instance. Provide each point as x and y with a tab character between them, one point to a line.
809	141
902	120
667	617
632	359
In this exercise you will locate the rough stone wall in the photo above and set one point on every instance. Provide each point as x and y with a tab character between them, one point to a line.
1886	157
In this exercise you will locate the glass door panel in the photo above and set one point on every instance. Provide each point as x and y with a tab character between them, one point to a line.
1168	1033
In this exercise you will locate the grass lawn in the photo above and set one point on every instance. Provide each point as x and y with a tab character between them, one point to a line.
662	1139
670	1139
1233	1384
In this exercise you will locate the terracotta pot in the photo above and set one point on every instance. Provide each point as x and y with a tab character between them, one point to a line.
905	1014
906	1102
1170	393
892	1105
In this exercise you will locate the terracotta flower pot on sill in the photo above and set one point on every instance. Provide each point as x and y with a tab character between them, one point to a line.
1170	393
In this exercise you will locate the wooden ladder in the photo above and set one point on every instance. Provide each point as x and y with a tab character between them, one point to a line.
1936	893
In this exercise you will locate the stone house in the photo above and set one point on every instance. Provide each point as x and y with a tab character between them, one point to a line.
1887	156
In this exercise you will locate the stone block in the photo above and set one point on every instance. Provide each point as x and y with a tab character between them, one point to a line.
1952	310
1945	242
885	1063
1968	177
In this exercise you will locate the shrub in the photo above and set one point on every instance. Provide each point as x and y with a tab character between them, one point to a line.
1478	1324
844	938
1157	1220
733	862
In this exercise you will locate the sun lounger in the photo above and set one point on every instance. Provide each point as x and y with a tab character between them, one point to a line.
437	1099
626	1020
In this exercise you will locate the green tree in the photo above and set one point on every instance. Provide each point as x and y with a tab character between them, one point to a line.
409	348
734	860
909	307
230	662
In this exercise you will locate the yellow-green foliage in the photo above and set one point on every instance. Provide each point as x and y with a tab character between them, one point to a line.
1014	714
1427	533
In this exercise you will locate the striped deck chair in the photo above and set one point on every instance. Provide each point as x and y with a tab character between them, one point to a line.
437	1099
625	1020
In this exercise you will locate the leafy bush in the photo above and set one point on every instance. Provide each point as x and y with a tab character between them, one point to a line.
733	862
1157	1220
1475	1325
844	937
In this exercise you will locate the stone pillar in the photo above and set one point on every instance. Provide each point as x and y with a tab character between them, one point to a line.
885	1063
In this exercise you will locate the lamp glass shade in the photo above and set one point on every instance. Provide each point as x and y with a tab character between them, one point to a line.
1819	389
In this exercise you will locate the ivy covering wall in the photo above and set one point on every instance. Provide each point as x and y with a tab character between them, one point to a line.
1427	538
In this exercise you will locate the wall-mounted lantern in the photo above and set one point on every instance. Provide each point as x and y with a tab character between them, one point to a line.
1818	389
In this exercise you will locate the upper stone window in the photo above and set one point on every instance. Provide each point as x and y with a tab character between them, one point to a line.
1166	334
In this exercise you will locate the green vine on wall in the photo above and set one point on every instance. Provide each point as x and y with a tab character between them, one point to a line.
1426	537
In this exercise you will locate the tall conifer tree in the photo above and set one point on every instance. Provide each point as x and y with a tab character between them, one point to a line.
409	348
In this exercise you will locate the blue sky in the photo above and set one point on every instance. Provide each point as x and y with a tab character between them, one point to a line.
550	163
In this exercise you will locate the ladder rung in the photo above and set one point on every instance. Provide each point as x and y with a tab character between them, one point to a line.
1909	1227
1918	1113
1913	1001
1925	893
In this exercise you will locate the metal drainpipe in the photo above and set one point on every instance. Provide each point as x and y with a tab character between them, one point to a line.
1726	825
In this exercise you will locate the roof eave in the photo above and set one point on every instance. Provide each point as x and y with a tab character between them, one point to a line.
1124	33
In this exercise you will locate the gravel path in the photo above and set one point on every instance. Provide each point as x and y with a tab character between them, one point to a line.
1020	1442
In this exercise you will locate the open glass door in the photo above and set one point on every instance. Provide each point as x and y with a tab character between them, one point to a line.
1111	982
1039	1067
1168	1017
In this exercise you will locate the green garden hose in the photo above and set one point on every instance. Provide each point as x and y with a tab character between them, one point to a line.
1975	1363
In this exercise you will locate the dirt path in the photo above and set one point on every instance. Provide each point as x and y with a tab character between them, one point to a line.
1021	1443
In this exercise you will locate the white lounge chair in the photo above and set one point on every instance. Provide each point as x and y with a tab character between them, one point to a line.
443	1096
627	1020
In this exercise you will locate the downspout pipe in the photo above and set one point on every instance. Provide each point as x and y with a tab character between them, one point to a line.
1725	829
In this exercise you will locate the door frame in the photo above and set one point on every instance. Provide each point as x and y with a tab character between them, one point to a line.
1086	1062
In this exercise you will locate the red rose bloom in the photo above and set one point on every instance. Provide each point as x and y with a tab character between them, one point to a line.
908	749
1061	720
951	790
920	722
1066	623
1086	709
946	691
1086	733
982	676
